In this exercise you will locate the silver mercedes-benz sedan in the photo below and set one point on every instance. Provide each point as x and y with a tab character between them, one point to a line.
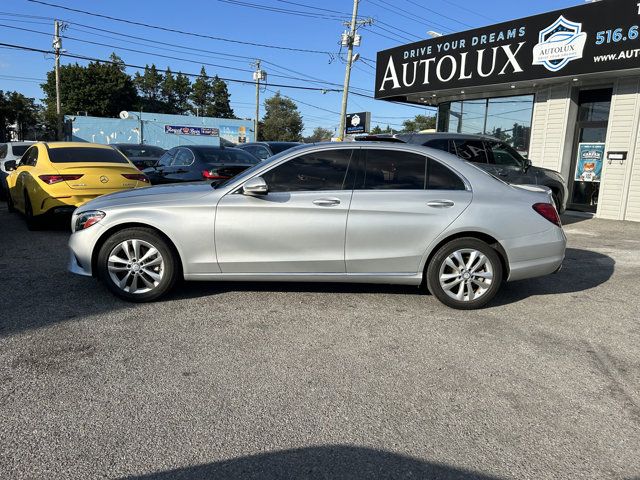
334	212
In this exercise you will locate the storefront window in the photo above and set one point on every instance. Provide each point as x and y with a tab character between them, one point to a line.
506	118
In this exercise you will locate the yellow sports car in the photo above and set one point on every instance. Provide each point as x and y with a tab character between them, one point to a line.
58	177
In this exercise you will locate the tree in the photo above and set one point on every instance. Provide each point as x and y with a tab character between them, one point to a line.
201	93
99	89
220	106
319	134
19	114
149	86
419	123
281	120
377	130
182	91
168	93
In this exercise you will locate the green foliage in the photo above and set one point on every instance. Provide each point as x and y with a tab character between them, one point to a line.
377	130
419	123
100	89
319	134
18	110
281	120
210	97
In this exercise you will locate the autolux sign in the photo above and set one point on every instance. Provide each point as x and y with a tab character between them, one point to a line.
196	131
598	37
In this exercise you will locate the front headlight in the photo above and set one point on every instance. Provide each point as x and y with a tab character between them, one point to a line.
85	219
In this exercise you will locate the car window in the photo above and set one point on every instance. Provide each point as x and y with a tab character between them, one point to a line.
504	155
3	151
393	170
259	151
471	150
281	147
183	158
86	155
227	155
318	171
30	157
441	177
142	151
18	150
165	160
438	144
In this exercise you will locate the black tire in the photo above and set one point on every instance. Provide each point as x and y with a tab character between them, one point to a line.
556	201
170	270
10	205
33	222
438	262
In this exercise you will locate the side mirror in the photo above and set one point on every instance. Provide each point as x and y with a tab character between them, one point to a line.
10	165
255	186
527	164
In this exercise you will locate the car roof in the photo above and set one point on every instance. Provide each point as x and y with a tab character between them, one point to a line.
442	135
131	145
18	144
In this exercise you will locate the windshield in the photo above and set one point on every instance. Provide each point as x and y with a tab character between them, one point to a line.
142	151
249	172
85	154
227	155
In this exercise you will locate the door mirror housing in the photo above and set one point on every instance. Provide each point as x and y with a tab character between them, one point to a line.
527	164
255	186
10	165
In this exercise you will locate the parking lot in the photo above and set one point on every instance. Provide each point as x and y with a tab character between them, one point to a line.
320	381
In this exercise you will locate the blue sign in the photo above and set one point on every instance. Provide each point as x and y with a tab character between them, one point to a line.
589	164
195	131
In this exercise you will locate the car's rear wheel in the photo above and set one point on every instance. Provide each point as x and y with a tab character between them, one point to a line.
465	273
10	205
137	264
33	222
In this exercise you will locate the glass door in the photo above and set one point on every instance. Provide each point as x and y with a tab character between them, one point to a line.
588	149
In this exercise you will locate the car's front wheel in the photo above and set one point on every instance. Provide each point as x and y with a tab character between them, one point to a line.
137	264
465	273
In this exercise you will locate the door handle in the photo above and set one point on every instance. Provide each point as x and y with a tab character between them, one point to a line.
440	203
326	202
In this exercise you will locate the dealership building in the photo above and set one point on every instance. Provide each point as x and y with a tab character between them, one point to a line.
563	88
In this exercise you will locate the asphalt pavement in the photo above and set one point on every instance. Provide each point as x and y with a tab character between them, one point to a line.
320	381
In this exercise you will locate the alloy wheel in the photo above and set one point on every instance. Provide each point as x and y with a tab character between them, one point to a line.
466	274
135	266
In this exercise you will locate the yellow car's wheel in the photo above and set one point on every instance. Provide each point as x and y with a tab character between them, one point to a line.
33	222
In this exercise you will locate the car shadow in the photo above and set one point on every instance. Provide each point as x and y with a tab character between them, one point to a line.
581	270
343	462
571	278
569	219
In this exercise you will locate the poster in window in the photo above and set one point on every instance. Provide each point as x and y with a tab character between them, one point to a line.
589	164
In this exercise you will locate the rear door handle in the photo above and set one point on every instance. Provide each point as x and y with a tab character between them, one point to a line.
440	203
326	202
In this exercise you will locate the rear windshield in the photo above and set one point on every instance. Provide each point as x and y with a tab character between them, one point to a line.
85	154
142	152
18	150
281	147
227	155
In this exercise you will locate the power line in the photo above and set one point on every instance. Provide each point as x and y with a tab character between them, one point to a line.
390	7
469	10
438	13
230	80
286	11
182	32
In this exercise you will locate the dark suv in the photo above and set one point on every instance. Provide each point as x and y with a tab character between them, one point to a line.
490	154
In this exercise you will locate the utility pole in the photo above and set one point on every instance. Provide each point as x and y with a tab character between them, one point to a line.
57	47
257	76
350	39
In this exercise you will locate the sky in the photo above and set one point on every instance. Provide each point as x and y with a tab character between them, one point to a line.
395	22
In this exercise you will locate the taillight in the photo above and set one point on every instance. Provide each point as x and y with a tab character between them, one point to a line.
51	179
139	177
213	175
548	211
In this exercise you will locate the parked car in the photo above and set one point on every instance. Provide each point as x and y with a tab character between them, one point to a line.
57	177
190	163
492	155
142	156
370	212
264	150
10	151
